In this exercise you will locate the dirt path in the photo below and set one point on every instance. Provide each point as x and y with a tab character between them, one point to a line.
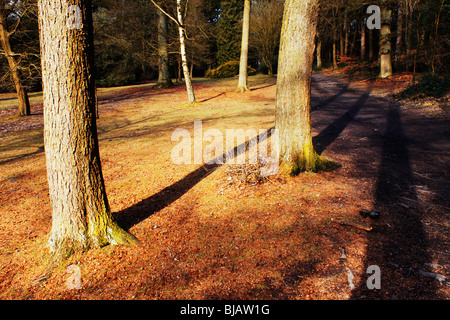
205	238
409	156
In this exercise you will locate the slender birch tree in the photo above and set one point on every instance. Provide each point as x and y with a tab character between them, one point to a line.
184	62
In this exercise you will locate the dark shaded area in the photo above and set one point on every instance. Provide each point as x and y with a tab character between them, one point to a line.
317	102
399	243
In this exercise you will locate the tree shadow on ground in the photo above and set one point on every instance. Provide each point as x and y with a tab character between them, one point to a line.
398	243
330	133
147	207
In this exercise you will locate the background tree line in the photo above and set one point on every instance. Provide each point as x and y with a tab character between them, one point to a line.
127	40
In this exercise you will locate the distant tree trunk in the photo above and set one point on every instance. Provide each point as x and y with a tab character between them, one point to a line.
24	103
243	65
363	40
179	70
319	51
334	50
409	33
184	63
399	41
371	45
81	215
385	43
293	111
353	45
164	78
346	35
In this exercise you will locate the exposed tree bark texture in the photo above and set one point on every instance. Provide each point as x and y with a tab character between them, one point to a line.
293	111
385	43
23	101
81	215
243	65
184	63
164	78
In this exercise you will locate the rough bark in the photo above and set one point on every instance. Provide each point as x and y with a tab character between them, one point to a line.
243	65
385	43
164	78
293	111
184	63
23	101
81	217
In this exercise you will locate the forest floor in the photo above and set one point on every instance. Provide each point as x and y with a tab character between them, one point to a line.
205	234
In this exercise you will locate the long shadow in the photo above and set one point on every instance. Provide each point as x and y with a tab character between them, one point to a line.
317	104
330	133
262	87
147	207
398	243
213	97
40	149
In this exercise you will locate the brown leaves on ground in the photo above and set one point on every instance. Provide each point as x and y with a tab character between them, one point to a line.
206	236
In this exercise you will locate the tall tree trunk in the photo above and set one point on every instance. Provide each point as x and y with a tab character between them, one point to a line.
353	45
363	40
24	103
385	43
399	41
81	215
293	111
243	65
409	33
164	78
319	51
371	45
346	34
184	63
334	50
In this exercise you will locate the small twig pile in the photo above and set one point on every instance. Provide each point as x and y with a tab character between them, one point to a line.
246	174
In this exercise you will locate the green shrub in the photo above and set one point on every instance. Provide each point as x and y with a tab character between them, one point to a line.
227	70
427	86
